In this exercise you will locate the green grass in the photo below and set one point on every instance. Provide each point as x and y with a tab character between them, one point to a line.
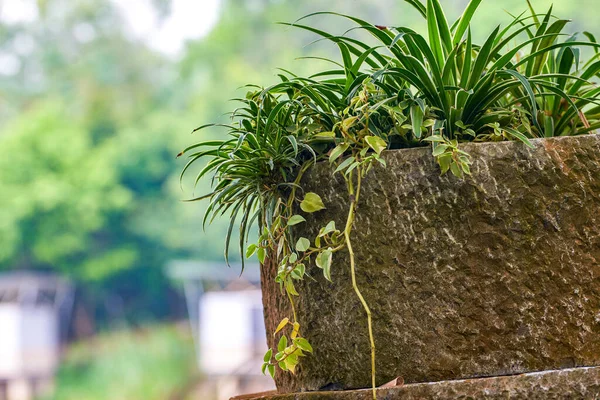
147	364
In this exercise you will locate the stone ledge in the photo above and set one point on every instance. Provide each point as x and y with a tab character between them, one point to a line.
573	383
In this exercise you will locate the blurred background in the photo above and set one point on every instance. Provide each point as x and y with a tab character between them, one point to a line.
109	286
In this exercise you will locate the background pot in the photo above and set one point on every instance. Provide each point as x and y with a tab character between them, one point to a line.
495	274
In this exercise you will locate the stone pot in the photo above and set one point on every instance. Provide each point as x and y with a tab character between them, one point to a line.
495	274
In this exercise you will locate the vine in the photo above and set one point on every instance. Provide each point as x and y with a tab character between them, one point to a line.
354	154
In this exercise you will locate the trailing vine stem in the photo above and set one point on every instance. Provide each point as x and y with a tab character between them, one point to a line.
290	205
354	197
354	154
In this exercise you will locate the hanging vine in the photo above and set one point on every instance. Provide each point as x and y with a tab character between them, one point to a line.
353	156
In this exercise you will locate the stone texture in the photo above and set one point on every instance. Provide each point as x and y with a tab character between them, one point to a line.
492	275
576	383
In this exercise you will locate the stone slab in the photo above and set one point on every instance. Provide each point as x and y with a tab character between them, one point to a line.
575	383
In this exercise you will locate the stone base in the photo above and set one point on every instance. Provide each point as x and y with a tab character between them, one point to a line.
573	383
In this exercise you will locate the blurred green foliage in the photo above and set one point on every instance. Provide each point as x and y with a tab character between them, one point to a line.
150	364
90	126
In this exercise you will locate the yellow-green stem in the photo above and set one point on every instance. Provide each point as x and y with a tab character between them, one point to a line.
290	210
348	229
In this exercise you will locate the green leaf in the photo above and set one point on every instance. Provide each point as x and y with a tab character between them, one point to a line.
518	135
290	288
295	330
261	254
465	20
529	90
338	151
330	227
302	244
456	170
349	123
296	273
435	41
439	149
352	167
418	5
299	271
264	368
312	203
323	261
416	115
466	169
445	160
482	60
428	123
303	344
443	28
281	325
251	250
292	357
344	164
268	356
533	13
271	369
346	57
295	219
282	343
293	142
467	65
325	135
357	64
290	362
549	37
548	126
376	143
435	138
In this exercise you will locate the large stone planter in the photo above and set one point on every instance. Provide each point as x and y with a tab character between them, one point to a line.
495	274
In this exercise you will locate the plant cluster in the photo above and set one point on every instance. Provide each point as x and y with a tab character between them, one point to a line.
524	81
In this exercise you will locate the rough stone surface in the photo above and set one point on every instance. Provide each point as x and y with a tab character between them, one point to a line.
576	383
492	275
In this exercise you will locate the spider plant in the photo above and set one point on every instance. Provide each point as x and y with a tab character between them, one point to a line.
268	140
473	92
441	84
440	87
461	81
566	98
